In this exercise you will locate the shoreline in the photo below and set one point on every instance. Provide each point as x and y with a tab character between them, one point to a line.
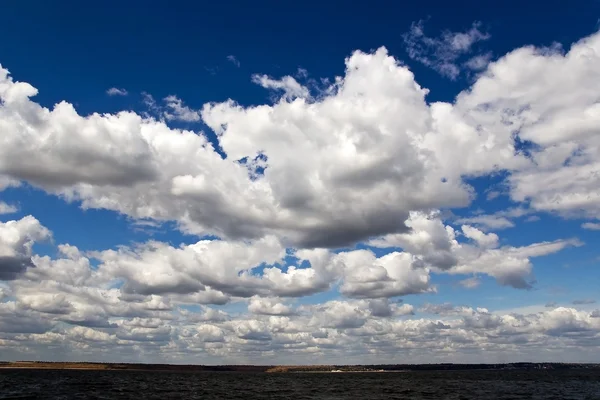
278	369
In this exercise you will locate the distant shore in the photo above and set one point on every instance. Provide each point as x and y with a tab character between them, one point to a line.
287	368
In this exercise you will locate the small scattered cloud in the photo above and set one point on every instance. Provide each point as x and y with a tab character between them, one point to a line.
290	86
470	283
499	220
7	208
532	218
592	226
113	91
178	111
442	53
233	59
551	304
492	195
212	70
479	62
301	73
583	301
494	222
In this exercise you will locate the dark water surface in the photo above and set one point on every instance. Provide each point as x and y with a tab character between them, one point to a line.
45	384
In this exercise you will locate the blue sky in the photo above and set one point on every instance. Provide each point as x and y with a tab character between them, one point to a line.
389	173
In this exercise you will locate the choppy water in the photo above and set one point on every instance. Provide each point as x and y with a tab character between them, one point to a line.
43	384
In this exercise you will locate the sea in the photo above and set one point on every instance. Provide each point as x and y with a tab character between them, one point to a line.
455	385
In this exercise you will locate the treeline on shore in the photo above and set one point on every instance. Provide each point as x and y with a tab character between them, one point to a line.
293	368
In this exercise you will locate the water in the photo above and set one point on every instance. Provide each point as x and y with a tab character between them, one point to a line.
45	384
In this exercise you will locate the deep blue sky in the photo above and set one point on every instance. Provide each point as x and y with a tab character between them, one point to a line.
73	49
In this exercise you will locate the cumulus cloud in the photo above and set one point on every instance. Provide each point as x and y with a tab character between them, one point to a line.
282	195
16	241
560	134
436	246
442	53
268	306
113	91
324	162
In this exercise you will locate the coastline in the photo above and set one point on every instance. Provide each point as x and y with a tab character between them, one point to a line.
92	366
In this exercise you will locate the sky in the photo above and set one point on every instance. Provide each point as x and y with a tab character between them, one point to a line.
314	183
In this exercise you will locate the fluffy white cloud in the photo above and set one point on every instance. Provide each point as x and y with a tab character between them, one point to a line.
16	241
268	306
436	246
558	123
323	173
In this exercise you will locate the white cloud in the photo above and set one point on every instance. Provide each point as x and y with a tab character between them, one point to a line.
233	59
593	226
331	175
113	91
470	283
7	208
268	306
177	111
436	246
499	220
288	85
479	62
442	53
512	96
16	241
488	221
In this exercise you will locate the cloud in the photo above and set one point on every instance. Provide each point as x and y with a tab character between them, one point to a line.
177	111
436	246
591	226
113	91
16	241
268	306
499	220
560	137
329	176
442	53
584	301
278	201
479	62
7	208
470	283
63	302
233	59
488	221
288	85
